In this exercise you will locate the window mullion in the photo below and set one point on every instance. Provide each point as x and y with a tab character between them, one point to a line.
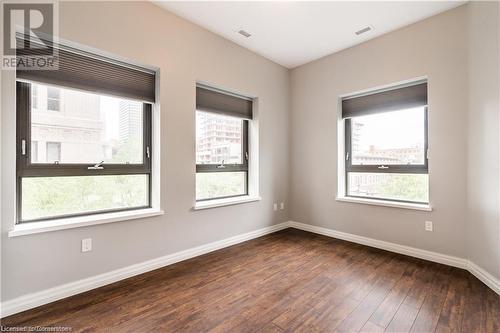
388	168
60	172
244	141
147	149
218	168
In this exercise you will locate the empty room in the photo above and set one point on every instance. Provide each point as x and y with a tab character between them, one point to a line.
250	166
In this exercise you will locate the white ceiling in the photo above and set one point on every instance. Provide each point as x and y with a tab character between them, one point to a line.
294	33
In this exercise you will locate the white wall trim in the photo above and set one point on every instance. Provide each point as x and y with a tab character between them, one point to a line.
30	301
207	204
393	247
484	276
386	203
22	229
445	259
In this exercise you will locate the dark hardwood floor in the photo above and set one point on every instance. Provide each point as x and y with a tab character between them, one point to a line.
290	281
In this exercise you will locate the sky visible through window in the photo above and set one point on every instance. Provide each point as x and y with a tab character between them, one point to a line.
396	137
398	129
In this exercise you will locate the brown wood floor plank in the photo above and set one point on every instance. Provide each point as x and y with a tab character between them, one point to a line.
370	327
403	319
492	311
450	319
342	298
407	312
289	281
382	287
474	318
430	310
387	309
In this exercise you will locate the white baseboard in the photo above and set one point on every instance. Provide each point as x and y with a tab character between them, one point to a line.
484	276
477	271
393	247
33	300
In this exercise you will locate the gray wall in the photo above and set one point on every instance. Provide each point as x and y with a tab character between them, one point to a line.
463	137
483	225
185	53
435	48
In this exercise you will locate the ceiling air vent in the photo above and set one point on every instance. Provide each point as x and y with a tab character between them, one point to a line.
244	33
364	30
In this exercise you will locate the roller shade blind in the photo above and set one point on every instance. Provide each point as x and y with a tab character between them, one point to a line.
91	72
218	102
385	101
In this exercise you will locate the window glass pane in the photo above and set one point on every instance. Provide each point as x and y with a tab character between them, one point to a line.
53	93
53	152
34	151
44	197
394	186
210	185
34	97
53	105
89	128
218	139
389	138
53	98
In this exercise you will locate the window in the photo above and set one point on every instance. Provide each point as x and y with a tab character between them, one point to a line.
34	97
94	157
221	156
221	145
53	99
53	152
92	129
386	145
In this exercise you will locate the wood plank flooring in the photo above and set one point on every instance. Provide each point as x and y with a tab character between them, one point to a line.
290	281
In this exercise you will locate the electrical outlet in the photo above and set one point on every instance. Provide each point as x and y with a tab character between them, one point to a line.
429	226
282	205
275	206
86	244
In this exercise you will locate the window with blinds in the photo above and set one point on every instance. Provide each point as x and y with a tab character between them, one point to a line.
386	143
222	156
84	136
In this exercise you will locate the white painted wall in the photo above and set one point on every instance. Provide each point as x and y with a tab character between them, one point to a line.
185	54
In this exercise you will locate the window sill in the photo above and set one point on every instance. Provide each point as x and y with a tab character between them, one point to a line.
224	202
81	221
386	203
